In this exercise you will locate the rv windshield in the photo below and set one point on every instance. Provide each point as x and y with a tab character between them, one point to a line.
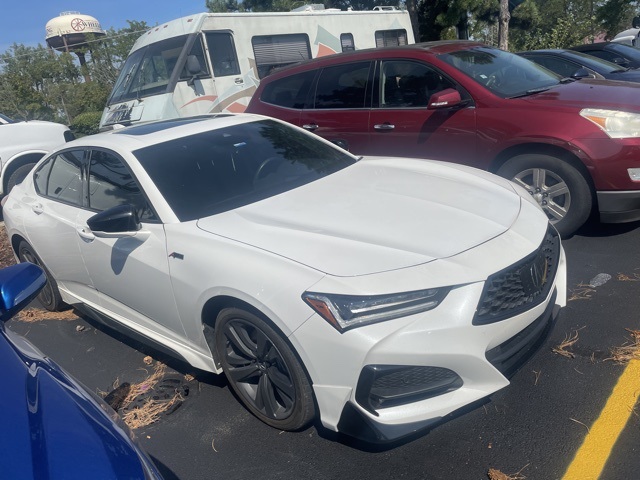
147	71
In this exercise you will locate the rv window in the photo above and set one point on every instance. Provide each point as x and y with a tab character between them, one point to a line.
198	52
272	51
391	38
346	40
222	52
343	86
289	92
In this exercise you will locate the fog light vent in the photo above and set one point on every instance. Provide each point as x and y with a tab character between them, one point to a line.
384	386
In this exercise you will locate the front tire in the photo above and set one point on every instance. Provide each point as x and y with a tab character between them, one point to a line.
559	188
263	370
49	296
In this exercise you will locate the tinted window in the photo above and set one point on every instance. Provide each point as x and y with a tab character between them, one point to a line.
290	92
223	54
111	184
215	171
391	38
61	179
343	86
409	84
603	54
558	65
346	42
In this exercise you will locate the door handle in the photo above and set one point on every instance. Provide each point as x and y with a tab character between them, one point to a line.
238	81
310	126
85	234
37	208
384	126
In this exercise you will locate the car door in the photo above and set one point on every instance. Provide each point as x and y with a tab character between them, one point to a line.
339	108
130	272
51	219
401	123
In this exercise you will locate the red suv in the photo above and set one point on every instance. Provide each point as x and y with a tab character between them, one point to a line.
574	145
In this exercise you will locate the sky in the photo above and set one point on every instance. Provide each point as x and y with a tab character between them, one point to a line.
23	21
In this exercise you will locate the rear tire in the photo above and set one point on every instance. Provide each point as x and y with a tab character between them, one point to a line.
559	188
263	370
49	296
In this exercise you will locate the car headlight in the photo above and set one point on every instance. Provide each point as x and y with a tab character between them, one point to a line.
614	123
349	311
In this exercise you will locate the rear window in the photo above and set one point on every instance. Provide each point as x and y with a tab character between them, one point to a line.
289	92
216	171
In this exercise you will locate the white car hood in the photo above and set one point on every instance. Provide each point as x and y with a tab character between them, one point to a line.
378	215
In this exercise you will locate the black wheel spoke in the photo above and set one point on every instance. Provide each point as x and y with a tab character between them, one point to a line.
266	399
245	374
240	341
283	384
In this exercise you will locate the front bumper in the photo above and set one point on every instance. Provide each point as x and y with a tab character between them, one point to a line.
619	207
506	357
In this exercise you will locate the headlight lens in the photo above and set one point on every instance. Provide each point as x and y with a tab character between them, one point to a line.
614	123
350	311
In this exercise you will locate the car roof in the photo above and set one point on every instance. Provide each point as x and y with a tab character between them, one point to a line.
151	133
430	48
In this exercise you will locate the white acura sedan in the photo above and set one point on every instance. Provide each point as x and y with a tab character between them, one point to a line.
379	294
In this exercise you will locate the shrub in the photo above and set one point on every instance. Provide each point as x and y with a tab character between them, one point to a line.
86	123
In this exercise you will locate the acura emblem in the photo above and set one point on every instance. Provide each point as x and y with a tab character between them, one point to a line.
539	270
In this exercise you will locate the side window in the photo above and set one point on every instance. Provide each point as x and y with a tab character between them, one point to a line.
391	38
198	52
289	92
603	54
111	184
222	52
343	86
409	84
346	41
272	51
557	65
60	177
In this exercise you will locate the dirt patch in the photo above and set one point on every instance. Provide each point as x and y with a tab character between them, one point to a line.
6	253
33	315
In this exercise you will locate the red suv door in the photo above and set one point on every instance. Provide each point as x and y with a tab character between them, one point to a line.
401	123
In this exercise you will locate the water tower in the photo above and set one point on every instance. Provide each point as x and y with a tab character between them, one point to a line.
68	33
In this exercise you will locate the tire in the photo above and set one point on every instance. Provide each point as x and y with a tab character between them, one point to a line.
18	176
49	296
560	189
263	370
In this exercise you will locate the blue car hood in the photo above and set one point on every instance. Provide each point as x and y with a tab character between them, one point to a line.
51	427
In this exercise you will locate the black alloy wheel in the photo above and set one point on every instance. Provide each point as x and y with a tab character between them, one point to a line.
263	370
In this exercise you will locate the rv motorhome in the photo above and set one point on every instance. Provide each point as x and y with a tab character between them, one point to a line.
213	62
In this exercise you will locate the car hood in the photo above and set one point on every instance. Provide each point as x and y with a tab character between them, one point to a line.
378	215
589	93
51	427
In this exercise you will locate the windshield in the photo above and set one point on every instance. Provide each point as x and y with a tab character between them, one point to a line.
595	63
147	71
219	170
504	73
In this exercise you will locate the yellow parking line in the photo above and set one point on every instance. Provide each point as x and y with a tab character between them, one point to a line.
596	448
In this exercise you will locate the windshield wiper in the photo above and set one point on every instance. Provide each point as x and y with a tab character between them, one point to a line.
532	91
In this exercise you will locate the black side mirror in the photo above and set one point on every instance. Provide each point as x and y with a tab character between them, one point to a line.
582	73
635	22
116	220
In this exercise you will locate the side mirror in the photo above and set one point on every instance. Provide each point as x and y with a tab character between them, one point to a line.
118	221
193	68
446	98
582	73
635	23
19	285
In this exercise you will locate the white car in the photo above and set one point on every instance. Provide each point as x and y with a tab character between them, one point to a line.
22	144
378	294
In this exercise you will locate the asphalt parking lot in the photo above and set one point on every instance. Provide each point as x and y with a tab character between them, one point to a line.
535	428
